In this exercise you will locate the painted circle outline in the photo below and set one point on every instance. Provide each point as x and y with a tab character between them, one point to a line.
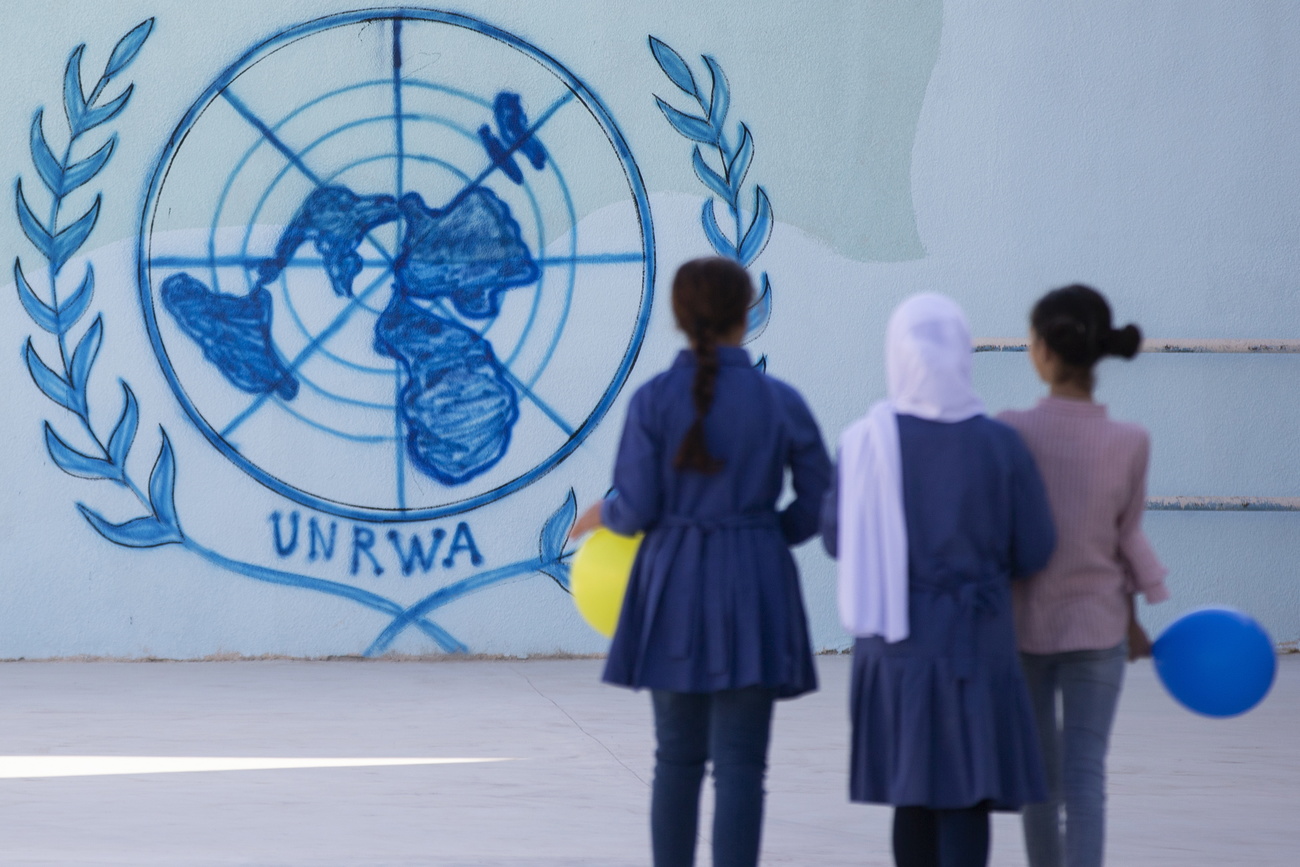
585	97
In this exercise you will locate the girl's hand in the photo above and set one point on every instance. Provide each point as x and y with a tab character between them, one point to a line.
1139	643
587	521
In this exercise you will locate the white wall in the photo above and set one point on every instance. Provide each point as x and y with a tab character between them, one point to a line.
991	151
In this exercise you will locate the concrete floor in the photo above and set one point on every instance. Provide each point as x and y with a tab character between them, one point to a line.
1185	790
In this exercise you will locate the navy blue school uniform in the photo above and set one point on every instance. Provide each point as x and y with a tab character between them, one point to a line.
942	719
714	602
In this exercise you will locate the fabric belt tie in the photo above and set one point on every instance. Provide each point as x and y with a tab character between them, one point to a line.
717	644
743	520
974	599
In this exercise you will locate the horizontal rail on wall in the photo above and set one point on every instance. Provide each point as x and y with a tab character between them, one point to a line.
1189	504
1224	504
1018	344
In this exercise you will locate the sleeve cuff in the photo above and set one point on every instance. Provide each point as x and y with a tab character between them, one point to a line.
612	515
1155	593
1146	572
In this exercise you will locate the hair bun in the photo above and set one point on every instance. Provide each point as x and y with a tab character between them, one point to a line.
1124	342
1075	323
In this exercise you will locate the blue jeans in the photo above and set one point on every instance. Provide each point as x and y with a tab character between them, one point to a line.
1074	752
731	728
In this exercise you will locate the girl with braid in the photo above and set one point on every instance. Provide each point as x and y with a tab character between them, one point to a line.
713	622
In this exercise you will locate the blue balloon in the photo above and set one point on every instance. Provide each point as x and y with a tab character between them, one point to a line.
1216	661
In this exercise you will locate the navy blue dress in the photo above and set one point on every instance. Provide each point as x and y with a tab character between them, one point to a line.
714	601
942	719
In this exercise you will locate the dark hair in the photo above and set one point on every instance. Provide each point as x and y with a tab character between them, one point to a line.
1075	323
711	298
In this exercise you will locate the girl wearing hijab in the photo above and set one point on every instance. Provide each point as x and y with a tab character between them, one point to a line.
935	509
1073	617
713	621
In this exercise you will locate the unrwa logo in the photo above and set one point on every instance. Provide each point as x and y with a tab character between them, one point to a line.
246	331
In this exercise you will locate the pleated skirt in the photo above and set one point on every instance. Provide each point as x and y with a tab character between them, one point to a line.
928	735
713	609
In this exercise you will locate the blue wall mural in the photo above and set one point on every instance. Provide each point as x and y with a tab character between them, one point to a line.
322	326
437	388
408	189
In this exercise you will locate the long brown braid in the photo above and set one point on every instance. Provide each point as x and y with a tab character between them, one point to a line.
711	299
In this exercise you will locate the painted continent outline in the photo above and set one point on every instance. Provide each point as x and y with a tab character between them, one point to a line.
457	406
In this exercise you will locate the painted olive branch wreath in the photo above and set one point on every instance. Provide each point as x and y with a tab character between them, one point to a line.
66	382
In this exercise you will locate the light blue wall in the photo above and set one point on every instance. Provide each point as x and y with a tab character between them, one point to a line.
990	151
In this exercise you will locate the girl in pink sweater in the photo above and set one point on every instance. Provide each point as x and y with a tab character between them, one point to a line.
1075	621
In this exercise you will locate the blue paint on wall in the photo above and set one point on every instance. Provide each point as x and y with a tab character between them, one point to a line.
453	398
456	403
234	333
336	220
457	406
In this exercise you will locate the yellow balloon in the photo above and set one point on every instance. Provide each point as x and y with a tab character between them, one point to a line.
599	577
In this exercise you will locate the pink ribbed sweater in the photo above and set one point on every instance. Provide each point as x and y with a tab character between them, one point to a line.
1095	470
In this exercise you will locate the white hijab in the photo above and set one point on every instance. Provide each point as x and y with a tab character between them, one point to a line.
928	368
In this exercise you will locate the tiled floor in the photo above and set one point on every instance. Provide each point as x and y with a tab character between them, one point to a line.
1185	791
